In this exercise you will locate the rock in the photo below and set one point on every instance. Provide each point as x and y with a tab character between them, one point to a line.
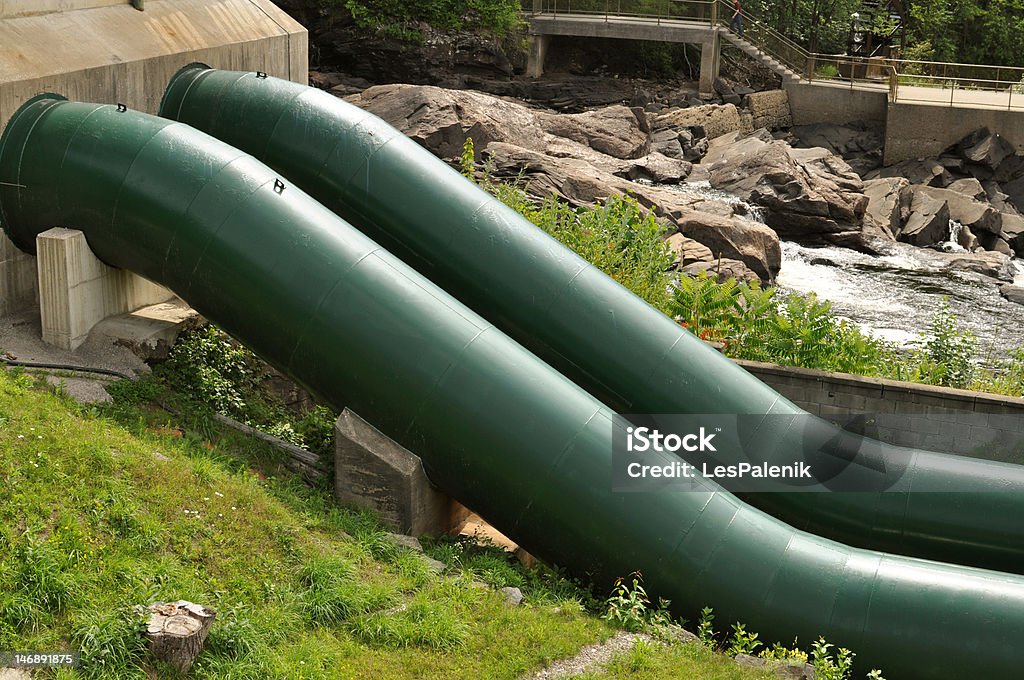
967	240
995	243
996	198
752	243
928	223
985	149
441	120
668	142
791	670
436	566
613	130
986	263
723	270
513	596
888	202
722	88
715	120
407	542
582	184
978	215
658	168
1013	228
929	172
970	187
688	251
807	194
732	98
1015	192
1012	293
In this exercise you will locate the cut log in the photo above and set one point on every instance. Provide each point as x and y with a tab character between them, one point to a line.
176	632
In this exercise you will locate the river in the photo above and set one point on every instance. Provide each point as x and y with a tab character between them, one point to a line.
894	297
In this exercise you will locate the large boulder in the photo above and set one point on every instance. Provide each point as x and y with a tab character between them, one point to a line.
613	130
809	195
752	243
723	269
687	251
928	223
714	119
991	264
927	171
1013	231
978	215
985	149
441	119
888	203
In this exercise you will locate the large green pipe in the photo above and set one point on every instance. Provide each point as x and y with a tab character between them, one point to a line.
577	319
498	429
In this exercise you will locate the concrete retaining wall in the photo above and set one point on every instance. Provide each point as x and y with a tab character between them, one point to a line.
922	416
834	103
111	53
925	130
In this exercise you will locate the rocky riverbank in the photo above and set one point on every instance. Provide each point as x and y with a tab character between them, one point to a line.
811	196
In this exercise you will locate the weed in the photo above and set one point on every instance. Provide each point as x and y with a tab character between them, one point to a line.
705	632
827	666
743	641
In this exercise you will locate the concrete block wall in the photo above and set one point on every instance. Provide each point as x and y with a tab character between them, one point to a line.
941	419
770	109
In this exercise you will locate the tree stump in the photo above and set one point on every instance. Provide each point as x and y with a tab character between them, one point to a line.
176	632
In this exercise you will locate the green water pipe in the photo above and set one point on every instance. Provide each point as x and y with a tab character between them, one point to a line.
497	428
578	320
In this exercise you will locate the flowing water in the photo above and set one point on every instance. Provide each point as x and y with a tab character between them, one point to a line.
895	296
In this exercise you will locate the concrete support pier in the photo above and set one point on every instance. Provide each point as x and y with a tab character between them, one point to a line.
538	51
371	470
77	291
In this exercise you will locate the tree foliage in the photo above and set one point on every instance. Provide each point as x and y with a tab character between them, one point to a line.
967	31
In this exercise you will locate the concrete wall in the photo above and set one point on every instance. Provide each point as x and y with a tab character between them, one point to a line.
113	53
920	416
924	130
834	103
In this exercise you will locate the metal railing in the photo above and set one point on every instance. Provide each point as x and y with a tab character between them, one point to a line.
906	80
658	10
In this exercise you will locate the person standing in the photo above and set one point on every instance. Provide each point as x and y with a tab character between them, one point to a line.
737	18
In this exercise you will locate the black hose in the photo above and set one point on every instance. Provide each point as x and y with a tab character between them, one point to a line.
68	367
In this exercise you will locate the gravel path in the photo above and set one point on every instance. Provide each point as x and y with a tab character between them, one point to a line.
592	657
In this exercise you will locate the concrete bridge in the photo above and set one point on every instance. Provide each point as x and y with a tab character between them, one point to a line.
925	107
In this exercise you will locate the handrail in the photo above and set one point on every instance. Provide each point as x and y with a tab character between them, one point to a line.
803	64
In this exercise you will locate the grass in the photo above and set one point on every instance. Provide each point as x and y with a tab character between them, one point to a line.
105	509
92	523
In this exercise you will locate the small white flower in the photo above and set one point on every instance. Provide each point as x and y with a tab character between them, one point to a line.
206	498
218	494
21	436
234	508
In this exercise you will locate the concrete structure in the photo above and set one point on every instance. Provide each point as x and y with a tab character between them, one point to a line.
704	33
922	416
925	130
371	470
106	51
836	103
77	291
